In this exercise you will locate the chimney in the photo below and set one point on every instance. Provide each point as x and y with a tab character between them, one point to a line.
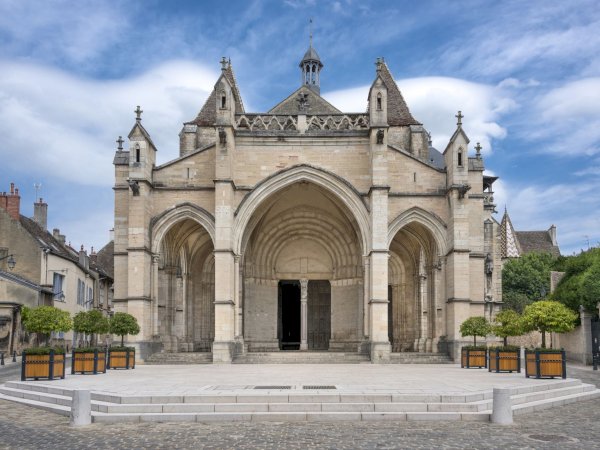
59	237
11	202
552	232
111	235
83	258
93	255
40	214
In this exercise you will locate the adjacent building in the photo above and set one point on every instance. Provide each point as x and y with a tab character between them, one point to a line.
47	271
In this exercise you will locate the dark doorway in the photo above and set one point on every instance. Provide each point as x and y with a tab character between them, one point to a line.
319	314
288	327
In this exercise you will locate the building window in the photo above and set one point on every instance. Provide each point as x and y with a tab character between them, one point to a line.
57	287
379	107
137	153
460	159
80	293
223	100
90	297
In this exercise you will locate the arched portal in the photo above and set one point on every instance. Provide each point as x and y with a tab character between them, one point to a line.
302	245
416	316
185	279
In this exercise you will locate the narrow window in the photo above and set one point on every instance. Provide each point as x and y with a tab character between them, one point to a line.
415	177
137	153
460	163
223	100
379	108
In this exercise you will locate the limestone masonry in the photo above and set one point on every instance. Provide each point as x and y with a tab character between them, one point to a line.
304	228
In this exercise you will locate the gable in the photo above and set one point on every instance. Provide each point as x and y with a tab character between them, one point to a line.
316	104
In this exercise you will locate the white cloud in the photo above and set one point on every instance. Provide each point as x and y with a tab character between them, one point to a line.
569	116
54	124
434	101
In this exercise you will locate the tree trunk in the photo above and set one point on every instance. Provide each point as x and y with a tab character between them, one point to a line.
543	339
474	341
505	341
122	340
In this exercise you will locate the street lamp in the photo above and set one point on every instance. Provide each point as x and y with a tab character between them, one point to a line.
11	261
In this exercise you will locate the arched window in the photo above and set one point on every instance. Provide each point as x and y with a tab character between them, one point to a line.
223	100
137	153
460	158
379	107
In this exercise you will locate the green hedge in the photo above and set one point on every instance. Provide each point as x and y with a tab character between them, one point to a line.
545	350
506	348
474	347
121	349
87	349
44	351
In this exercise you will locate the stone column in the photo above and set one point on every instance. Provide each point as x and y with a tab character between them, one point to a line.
155	259
304	314
237	297
366	296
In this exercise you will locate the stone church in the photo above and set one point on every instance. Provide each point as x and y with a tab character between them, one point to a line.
304	229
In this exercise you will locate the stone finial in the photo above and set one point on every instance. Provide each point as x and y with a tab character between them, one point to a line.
459	118
478	150
224	63
120	143
138	114
429	141
379	64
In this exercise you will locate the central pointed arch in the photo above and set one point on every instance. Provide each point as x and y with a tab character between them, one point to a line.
330	182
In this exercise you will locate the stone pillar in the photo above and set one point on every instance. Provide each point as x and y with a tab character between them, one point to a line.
224	307
81	408
304	314
586	332
154	294
237	298
502	407
366	296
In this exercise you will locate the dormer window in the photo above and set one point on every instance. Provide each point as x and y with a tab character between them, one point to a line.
379	107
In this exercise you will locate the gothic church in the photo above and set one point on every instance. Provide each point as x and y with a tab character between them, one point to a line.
304	229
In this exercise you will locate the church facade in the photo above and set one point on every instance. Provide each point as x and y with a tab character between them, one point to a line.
304	228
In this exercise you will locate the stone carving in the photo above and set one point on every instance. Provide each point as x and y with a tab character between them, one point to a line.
380	136
222	136
135	187
303	102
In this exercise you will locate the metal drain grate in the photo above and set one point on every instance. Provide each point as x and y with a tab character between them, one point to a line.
318	387
272	387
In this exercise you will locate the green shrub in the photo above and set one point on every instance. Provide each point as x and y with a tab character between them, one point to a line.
548	316
475	326
123	324
44	351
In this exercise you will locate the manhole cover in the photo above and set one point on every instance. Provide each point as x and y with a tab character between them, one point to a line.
272	387
551	438
318	387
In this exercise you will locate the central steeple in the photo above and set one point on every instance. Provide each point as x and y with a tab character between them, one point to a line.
311	66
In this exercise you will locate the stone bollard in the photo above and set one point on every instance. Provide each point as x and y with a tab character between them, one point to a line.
502	407
81	408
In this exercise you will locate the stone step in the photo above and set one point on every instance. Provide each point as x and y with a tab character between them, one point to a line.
420	358
288	417
180	358
298	405
301	357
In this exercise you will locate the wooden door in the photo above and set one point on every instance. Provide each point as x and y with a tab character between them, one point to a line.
319	314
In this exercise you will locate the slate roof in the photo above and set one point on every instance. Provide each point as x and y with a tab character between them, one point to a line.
397	109
208	114
516	243
105	259
436	159
537	241
138	125
311	55
46	240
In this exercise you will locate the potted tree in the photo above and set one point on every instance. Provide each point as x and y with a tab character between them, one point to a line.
122	324
89	359
474	355
506	358
547	316
44	361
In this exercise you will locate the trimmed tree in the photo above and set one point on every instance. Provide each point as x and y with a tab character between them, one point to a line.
475	326
44	320
123	324
91	322
548	316
507	323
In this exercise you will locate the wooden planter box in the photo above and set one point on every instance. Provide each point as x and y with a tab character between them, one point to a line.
42	366
504	361
92	362
121	359
545	364
473	358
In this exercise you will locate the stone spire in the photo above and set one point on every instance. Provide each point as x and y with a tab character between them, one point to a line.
311	66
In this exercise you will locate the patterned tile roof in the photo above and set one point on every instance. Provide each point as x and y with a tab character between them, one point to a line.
398	112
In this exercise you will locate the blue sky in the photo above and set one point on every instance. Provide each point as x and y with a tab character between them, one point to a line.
526	75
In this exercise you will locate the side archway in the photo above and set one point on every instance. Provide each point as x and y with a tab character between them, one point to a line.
160	224
429	220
